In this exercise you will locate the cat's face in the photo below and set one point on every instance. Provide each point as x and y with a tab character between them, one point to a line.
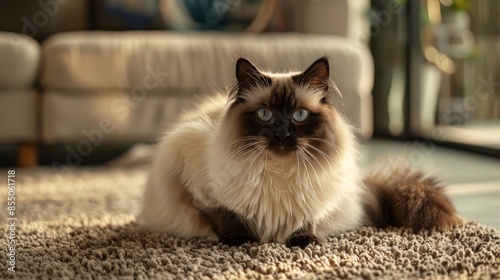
284	114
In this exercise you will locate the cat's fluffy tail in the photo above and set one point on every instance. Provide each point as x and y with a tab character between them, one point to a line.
402	197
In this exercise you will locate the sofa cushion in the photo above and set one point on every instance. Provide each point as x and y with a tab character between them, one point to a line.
111	117
18	114
118	60
19	60
85	73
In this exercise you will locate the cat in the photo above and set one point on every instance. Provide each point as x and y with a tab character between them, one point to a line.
273	160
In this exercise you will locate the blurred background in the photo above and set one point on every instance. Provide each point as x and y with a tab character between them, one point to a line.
81	82
436	61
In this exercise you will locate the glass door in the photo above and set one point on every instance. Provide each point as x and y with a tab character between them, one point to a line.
456	96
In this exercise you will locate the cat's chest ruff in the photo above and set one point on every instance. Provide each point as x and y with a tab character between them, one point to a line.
259	183
276	200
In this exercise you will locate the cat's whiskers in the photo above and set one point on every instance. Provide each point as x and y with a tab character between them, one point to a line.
299	178
250	210
239	150
319	186
265	160
231	160
308	176
334	148
258	153
253	154
237	141
258	147
319	151
325	156
277	168
326	173
313	186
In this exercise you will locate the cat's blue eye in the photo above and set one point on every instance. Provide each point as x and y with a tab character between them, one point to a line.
264	115
300	115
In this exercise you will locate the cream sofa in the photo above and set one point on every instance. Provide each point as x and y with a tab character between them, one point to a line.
19	64
113	88
128	86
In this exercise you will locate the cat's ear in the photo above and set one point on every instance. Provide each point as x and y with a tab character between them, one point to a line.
316	76
249	76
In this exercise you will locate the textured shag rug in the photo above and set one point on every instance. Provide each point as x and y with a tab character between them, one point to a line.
81	225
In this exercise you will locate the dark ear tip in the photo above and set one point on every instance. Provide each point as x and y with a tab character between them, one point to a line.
242	60
325	61
243	67
322	65
243	63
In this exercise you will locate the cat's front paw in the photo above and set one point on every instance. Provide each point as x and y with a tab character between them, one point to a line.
236	239
300	240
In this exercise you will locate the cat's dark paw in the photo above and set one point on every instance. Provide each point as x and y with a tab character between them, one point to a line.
300	240
236	239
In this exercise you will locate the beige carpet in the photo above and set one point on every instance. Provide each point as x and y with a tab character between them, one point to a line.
75	225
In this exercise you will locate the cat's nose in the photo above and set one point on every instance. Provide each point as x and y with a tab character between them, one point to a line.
282	129
282	134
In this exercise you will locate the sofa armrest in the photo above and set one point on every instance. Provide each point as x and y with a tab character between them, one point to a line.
19	65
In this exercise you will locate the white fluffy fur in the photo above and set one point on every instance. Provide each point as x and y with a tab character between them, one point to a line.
194	169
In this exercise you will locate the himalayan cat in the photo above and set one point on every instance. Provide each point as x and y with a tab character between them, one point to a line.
274	161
